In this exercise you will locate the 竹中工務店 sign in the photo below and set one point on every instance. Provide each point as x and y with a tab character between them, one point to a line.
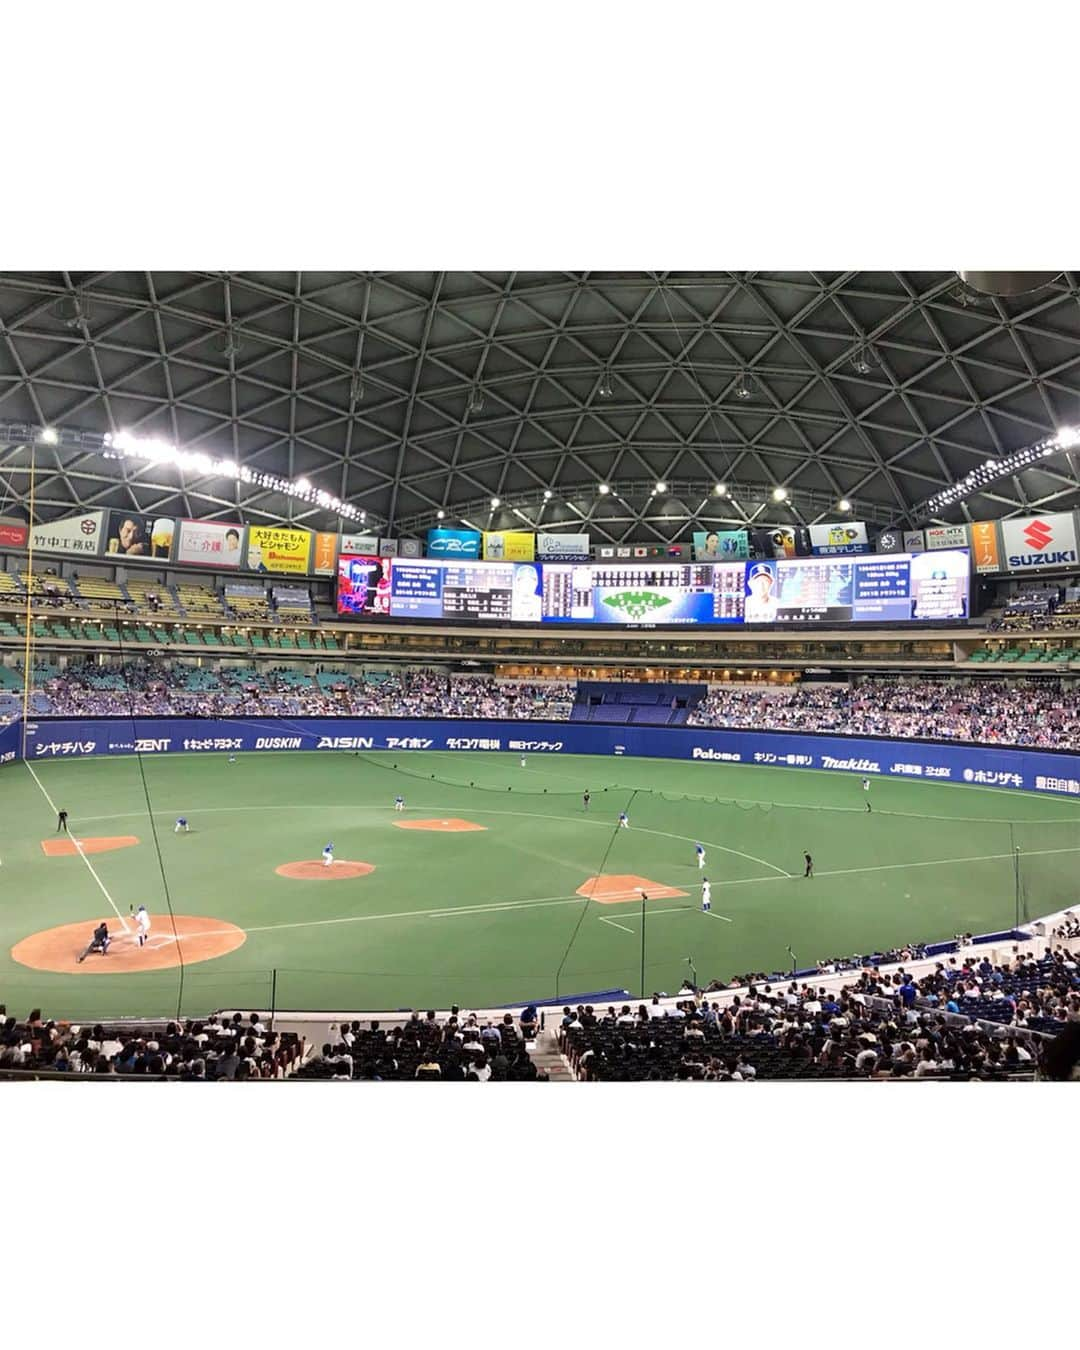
82	534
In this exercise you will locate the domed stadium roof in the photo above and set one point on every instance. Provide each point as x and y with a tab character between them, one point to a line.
407	394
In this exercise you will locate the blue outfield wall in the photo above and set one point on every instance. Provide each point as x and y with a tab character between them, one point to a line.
1031	770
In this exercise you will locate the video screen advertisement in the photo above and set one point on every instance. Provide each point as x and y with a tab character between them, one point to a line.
930	587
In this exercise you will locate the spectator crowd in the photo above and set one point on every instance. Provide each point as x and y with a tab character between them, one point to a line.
1042	713
216	1049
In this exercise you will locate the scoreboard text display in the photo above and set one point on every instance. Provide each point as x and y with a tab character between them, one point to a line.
872	588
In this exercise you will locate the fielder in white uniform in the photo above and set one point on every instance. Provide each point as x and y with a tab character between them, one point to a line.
182	825
522	761
399	803
699	850
624	821
142	925
706	896
328	855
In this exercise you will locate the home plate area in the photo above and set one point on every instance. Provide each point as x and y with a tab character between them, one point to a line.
619	889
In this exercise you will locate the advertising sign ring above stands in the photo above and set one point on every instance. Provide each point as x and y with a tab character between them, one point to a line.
1041	771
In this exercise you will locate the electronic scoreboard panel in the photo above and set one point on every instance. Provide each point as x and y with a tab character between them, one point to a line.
870	588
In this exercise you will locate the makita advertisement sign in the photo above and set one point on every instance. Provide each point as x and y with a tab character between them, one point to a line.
980	766
1033	542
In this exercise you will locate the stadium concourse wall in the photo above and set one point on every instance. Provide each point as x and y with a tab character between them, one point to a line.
1055	773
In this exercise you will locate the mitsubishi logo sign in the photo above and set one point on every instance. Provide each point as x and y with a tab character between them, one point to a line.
1038	534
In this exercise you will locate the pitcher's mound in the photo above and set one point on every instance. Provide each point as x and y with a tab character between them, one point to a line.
64	847
196	938
314	869
617	890
449	826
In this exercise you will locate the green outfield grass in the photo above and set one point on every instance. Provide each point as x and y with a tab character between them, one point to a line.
492	916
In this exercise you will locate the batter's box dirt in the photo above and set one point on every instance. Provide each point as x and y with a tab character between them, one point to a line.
65	847
622	888
188	938
314	869
450	826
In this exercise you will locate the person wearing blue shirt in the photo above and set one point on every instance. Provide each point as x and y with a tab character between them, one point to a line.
908	992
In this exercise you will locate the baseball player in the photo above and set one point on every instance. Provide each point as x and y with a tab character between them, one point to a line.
61	822
699	850
142	924
586	797
232	759
399	803
98	943
522	761
182	825
866	789
706	895
624	821
328	855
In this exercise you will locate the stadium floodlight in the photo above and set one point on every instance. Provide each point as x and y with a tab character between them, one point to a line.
606	389
993	470
603	489
743	389
661	487
843	504
720	489
779	494
440	515
154	450
49	436
548	494
496	502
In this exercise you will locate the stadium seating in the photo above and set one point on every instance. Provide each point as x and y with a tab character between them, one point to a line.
213	1049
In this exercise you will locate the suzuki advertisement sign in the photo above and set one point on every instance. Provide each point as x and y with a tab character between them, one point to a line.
458	545
1033	542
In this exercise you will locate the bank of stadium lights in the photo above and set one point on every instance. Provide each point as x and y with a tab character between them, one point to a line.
125	445
991	470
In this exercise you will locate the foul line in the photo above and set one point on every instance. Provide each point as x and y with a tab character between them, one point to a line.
79	849
617	925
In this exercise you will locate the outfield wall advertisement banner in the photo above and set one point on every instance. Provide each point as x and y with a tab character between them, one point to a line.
849	537
461	545
324	554
82	534
274	548
210	543
1033	542
563	548
509	546
985	554
721	545
946	536
982	766
139	538
359	543
13	534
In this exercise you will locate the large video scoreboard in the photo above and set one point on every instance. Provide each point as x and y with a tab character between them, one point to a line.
873	588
